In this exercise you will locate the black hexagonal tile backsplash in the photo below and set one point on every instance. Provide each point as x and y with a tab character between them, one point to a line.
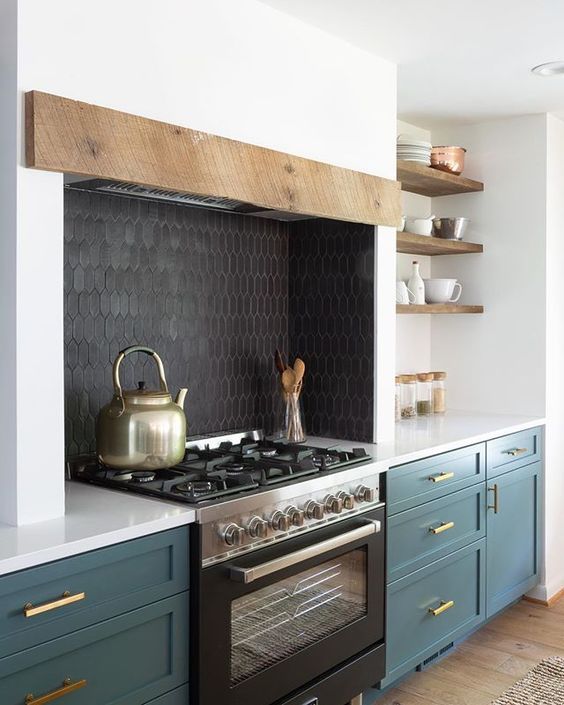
331	319
214	294
207	290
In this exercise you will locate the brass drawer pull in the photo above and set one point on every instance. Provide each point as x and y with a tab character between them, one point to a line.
443	607
67	687
440	478
516	451
445	526
495	505
67	599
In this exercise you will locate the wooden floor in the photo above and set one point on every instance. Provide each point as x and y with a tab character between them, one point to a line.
489	662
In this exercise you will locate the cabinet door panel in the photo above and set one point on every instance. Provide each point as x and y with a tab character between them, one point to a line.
512	535
453	587
107	582
424	534
423	480
127	660
511	452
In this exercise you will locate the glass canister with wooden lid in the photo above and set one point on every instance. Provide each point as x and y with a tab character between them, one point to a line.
424	393
408	396
439	392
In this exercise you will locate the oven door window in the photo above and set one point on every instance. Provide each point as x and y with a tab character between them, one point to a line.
278	621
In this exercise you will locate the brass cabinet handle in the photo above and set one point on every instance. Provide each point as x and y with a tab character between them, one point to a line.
443	607
515	451
440	478
67	687
445	526
495	505
67	599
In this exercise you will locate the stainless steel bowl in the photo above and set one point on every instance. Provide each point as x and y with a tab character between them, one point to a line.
450	228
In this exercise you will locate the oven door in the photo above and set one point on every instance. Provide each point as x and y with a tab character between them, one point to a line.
271	621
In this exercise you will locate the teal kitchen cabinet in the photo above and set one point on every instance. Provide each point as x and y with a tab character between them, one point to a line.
127	660
429	609
108	627
426	533
512	535
413	484
463	527
99	585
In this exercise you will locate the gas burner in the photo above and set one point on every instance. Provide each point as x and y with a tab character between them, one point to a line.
124	476
234	468
142	476
324	460
268	452
197	488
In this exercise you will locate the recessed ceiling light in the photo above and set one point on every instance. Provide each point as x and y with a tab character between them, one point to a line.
552	68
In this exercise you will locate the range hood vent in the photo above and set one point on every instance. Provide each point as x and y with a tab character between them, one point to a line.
123	188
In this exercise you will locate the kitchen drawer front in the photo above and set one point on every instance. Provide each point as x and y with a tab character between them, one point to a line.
127	660
175	697
424	534
514	451
414	633
412	484
114	580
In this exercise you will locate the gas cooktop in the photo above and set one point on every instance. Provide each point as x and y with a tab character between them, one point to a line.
220	466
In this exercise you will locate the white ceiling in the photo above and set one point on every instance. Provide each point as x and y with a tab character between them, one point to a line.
458	60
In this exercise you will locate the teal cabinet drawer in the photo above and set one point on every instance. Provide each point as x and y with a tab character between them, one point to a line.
513	535
127	660
113	580
175	697
424	534
413	631
414	483
514	451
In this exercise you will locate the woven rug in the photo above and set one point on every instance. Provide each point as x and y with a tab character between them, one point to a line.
543	685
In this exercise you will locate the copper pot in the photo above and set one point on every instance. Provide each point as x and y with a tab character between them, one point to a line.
449	159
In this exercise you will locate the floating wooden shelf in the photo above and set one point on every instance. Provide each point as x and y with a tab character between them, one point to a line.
417	178
438	308
412	244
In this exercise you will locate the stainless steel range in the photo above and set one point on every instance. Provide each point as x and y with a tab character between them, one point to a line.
288	567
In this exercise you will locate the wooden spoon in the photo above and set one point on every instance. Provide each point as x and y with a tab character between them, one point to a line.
289	380
279	361
299	371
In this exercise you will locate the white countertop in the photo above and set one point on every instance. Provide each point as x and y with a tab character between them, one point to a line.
97	517
422	437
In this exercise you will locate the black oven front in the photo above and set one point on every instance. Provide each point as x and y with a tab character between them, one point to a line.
269	623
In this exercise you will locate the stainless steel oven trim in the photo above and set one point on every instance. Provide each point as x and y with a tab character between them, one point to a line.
259	498
249	575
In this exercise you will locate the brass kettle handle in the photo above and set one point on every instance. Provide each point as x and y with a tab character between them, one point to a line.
137	348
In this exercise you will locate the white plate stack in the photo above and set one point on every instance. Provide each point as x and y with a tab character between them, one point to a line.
412	150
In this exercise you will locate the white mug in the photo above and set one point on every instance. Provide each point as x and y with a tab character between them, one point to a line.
442	291
403	294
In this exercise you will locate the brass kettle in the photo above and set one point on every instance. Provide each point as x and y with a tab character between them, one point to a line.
141	429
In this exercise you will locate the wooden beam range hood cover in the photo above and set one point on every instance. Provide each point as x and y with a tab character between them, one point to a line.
72	137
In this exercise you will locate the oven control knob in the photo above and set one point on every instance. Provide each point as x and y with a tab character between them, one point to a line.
333	504
347	499
314	510
233	535
280	521
364	494
296	516
257	528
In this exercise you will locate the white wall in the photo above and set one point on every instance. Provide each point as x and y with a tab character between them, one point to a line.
8	192
496	361
242	70
553	579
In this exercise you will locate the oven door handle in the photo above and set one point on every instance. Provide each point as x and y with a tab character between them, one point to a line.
249	575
